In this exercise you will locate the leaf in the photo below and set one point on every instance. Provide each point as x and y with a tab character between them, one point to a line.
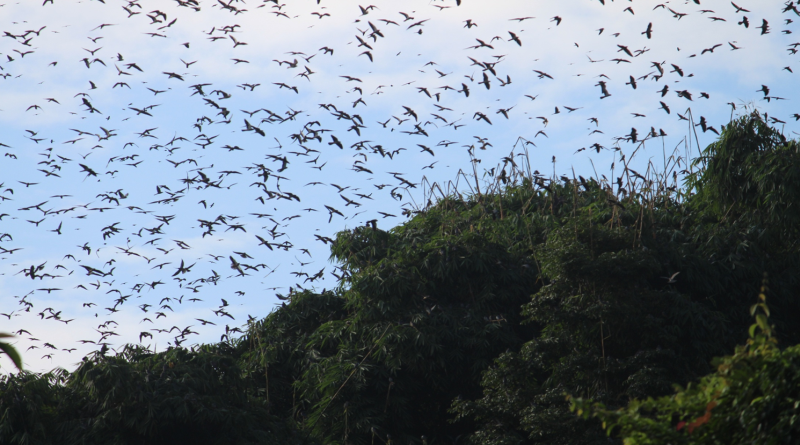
762	322
11	352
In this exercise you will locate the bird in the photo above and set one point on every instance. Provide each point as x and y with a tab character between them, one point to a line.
764	27
739	8
603	89
711	49
649	31
671	279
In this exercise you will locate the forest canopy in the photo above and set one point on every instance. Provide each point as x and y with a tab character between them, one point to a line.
470	322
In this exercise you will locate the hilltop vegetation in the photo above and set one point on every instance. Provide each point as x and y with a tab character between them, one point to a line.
470	322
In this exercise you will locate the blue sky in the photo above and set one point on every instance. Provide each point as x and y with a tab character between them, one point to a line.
140	187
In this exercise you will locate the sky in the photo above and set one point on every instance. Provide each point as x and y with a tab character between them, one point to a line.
170	168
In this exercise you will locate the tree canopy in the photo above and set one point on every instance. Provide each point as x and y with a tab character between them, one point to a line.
472	320
752	397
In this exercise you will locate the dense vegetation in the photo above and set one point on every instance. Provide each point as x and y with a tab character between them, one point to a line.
470	322
752	398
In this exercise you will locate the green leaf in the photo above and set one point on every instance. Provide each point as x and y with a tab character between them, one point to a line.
11	352
762	322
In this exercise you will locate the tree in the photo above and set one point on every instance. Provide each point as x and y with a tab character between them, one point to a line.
468	322
640	292
421	311
29	404
607	328
139	397
743	220
751	398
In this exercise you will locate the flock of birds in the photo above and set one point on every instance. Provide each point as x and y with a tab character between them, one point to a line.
167	167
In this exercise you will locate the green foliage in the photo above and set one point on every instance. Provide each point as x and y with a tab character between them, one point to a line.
469	323
607	329
274	351
138	397
423	310
10	351
615	323
751	398
29	407
743	221
753	172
